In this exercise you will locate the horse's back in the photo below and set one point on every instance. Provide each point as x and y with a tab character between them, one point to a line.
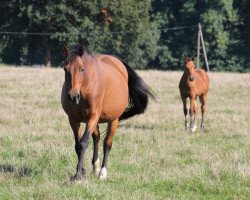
112	65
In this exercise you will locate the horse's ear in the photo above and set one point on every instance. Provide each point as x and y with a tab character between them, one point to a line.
185	58
65	51
192	58
81	50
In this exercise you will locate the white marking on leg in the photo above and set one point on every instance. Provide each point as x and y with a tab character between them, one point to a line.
103	174
96	167
193	128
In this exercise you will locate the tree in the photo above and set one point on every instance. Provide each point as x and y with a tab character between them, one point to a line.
219	19
113	27
244	32
220	22
140	32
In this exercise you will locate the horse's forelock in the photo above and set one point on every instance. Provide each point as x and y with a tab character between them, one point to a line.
72	57
78	48
186	60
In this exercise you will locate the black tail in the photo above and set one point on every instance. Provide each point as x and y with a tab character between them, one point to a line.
138	94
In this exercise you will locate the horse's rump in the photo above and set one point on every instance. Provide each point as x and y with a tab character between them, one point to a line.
116	93
137	92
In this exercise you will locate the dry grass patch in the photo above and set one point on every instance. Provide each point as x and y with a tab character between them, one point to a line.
152	156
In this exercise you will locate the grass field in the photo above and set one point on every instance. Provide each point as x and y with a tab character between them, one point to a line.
152	156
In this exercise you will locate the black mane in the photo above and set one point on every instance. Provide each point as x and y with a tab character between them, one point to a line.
75	51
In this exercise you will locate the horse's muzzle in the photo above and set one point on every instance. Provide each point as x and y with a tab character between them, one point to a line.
191	78
74	98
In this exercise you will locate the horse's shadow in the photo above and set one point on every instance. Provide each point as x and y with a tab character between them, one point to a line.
143	127
17	171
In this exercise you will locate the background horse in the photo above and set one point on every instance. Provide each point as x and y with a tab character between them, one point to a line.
193	83
99	89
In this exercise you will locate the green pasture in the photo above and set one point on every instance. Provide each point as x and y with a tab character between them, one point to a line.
152	156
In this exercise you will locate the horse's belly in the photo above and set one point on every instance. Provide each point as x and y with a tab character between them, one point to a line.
115	102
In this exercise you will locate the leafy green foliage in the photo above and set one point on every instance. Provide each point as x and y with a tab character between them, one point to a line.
137	31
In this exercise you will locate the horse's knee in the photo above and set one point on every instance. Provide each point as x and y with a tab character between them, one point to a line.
84	145
192	111
196	110
77	148
203	108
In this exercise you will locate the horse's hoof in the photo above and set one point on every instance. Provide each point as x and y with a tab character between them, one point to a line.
96	167
103	173
79	175
193	128
203	127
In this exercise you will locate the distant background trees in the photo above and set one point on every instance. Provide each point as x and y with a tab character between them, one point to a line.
140	32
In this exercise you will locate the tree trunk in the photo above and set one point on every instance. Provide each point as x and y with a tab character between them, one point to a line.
46	52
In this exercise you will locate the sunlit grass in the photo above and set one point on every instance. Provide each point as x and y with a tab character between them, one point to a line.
152	156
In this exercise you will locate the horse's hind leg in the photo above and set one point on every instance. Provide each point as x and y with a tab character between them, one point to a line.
185	111
95	160
107	145
203	99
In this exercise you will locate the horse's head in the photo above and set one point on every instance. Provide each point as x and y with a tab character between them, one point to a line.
189	67
74	70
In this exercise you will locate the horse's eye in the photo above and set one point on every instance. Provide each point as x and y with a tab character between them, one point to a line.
82	70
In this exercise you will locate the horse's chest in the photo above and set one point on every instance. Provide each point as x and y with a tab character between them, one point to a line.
78	112
187	91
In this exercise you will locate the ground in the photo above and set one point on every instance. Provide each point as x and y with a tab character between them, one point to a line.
152	156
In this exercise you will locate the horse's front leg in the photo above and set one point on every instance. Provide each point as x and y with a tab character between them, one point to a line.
107	145
76	127
193	114
84	141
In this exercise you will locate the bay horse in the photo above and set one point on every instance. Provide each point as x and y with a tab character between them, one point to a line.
194	83
99	89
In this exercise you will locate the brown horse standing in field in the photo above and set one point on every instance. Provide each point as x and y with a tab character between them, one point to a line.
99	89
193	83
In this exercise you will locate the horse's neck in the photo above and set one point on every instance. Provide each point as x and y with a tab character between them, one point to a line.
186	73
91	74
87	59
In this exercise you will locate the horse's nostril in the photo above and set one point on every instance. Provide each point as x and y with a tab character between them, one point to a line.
78	96
69	97
74	98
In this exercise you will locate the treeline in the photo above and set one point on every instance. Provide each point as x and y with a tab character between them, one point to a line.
140	32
